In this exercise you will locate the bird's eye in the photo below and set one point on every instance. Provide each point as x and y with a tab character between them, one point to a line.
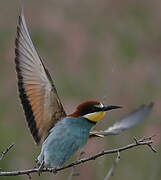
99	105
97	108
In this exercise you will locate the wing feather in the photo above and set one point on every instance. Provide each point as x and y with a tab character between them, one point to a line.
130	120
38	94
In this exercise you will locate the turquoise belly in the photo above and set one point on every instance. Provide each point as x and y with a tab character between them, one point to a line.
64	140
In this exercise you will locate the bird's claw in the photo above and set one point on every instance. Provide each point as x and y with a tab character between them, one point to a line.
40	168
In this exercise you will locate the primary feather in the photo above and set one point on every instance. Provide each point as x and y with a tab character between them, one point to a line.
128	121
38	94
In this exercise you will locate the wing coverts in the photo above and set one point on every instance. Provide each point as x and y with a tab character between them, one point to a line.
38	94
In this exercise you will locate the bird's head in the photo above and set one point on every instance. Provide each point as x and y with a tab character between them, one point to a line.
92	110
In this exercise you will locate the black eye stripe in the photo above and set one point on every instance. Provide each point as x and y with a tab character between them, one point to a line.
90	109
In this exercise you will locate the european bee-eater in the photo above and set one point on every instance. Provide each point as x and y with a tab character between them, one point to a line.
60	133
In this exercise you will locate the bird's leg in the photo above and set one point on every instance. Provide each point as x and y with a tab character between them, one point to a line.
54	170
41	168
37	163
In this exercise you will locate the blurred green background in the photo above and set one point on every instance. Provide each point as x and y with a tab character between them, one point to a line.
94	49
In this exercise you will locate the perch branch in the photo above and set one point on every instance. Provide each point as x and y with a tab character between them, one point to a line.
145	141
6	151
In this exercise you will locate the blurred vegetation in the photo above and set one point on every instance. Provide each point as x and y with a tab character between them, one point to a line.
94	49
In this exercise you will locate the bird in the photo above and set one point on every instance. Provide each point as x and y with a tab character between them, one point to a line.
71	133
59	133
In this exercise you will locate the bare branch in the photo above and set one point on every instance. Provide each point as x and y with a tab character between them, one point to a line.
111	171
6	151
146	141
117	159
73	172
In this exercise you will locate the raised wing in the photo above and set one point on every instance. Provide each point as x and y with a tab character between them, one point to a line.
38	94
126	122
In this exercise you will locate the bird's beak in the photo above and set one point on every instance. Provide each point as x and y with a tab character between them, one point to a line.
107	108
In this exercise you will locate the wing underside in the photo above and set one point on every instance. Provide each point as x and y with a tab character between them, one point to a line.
37	92
130	120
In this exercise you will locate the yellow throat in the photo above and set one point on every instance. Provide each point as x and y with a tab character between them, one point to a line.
95	117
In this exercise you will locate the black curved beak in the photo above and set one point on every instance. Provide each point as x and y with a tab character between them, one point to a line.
107	108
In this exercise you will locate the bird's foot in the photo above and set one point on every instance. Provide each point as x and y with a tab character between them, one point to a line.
41	168
37	163
54	170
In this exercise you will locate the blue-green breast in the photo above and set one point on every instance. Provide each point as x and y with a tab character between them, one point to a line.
64	140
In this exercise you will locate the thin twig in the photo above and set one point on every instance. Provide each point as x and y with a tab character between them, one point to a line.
29	176
73	172
6	151
140	142
111	171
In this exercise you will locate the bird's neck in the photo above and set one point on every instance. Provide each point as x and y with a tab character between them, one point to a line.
81	122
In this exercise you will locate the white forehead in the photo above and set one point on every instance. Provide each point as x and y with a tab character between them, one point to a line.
100	105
